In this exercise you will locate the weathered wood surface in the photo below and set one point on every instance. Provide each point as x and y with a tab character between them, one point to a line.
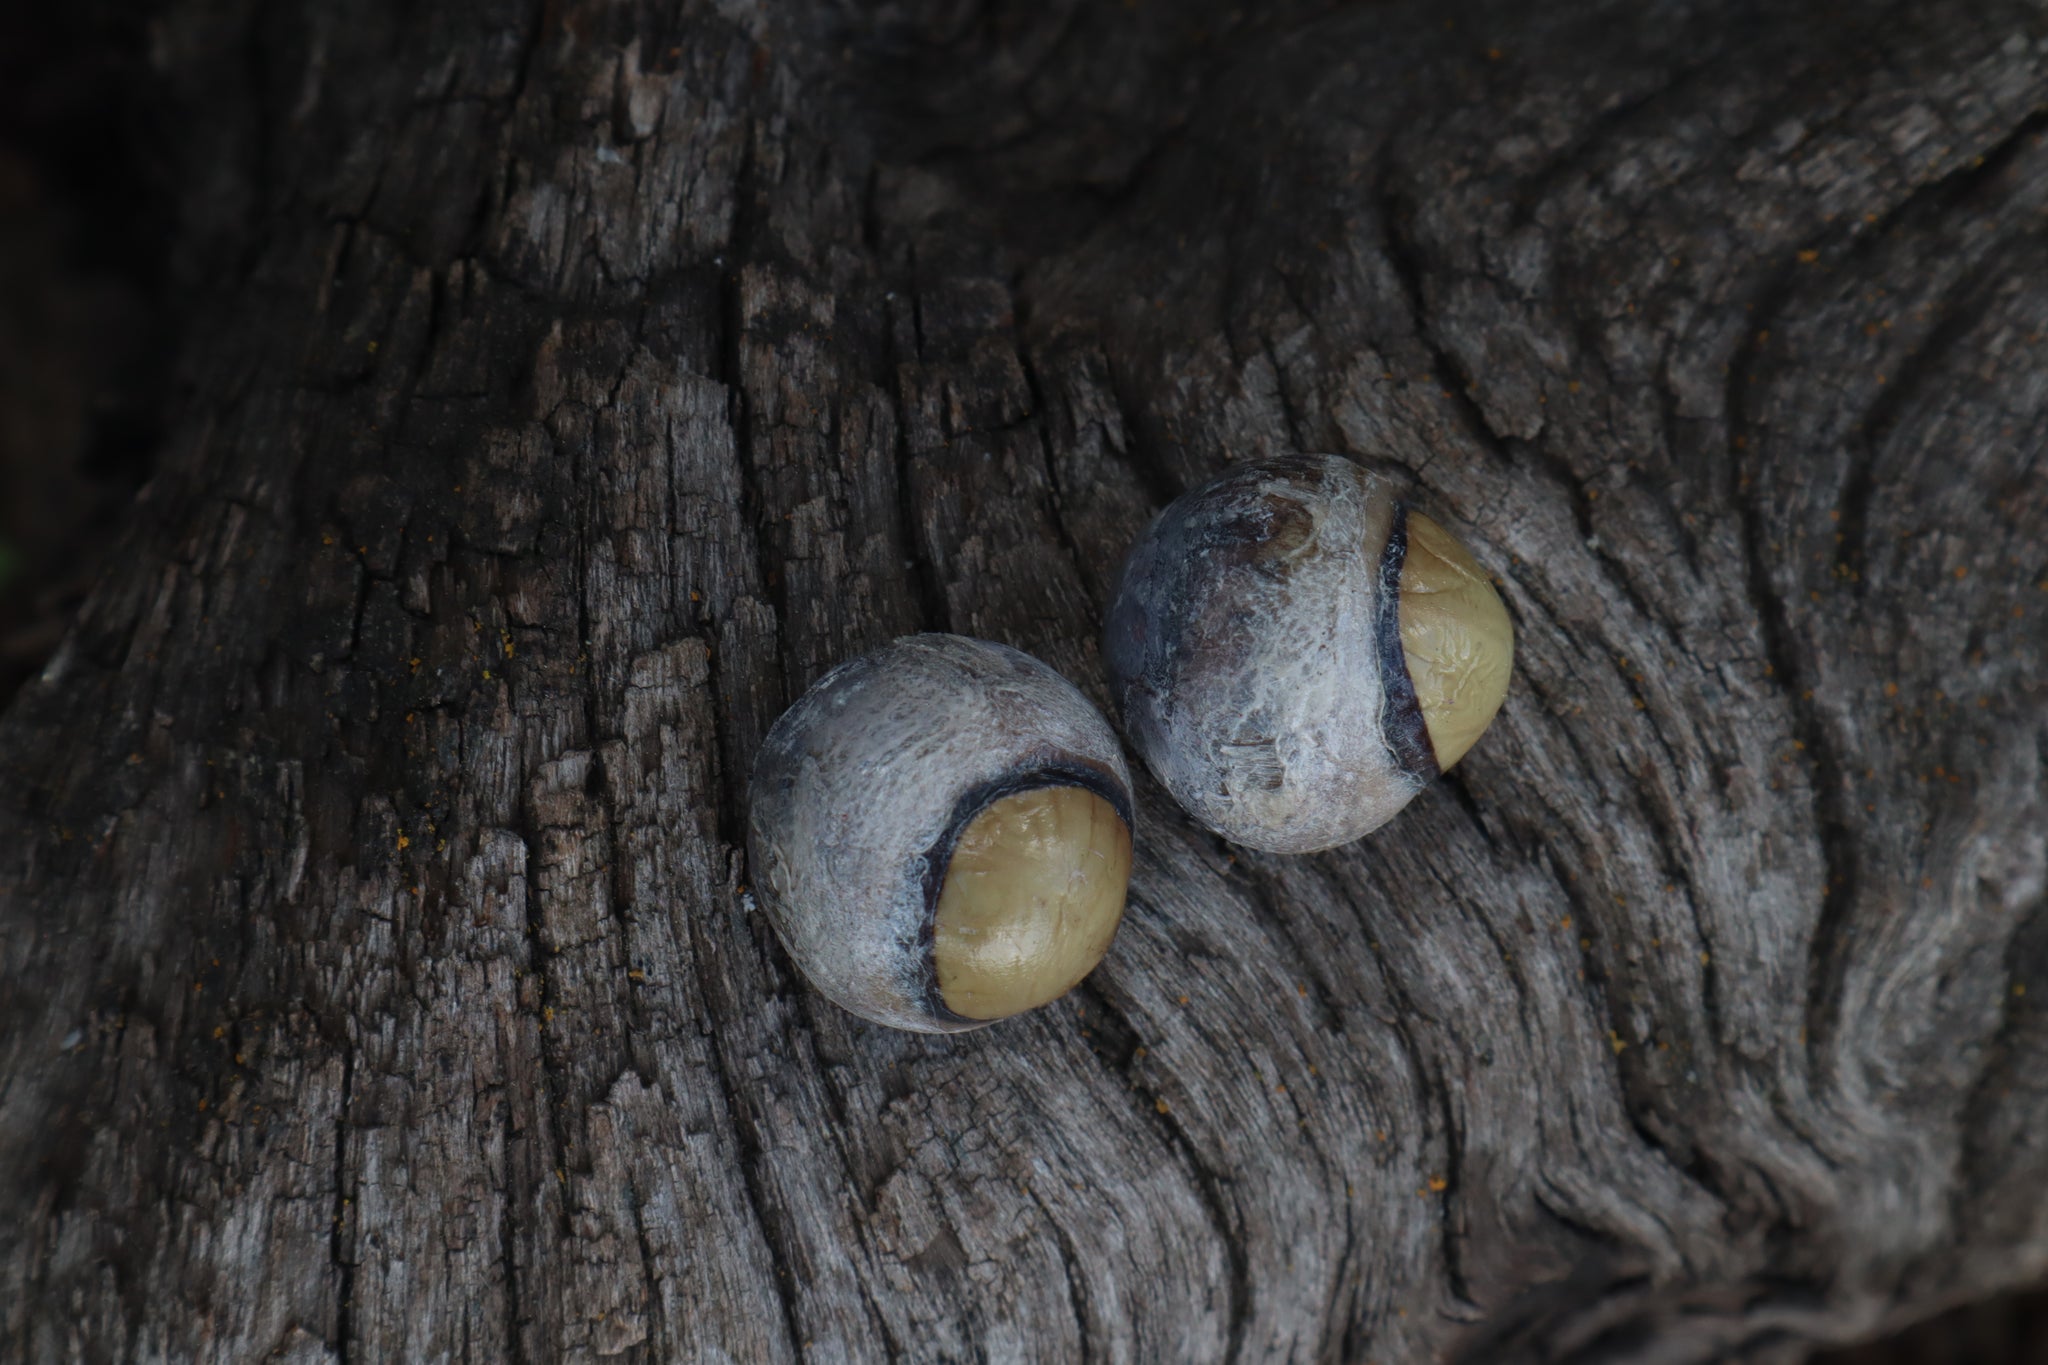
566	385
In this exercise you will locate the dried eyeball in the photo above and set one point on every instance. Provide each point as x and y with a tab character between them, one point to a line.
1296	654
940	831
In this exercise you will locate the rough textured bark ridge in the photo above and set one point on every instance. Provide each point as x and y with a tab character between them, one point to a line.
567	384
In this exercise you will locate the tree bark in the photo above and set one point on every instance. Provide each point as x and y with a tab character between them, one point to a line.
565	386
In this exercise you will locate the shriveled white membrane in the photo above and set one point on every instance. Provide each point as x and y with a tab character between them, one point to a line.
1250	640
1032	898
1245	647
856	785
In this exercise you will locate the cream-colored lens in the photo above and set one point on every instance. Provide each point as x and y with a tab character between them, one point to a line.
1031	900
1456	634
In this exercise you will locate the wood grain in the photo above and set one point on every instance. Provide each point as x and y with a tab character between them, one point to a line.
564	387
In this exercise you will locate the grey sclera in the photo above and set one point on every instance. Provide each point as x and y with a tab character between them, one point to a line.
1254	650
861	787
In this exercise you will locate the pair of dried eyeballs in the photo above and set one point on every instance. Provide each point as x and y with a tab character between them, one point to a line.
940	831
